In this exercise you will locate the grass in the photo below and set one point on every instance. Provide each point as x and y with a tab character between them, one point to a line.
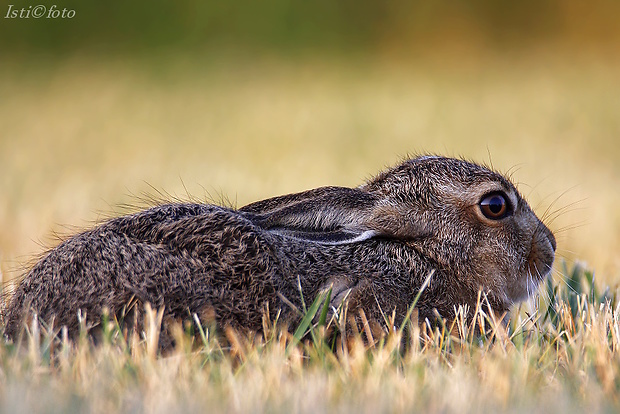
562	356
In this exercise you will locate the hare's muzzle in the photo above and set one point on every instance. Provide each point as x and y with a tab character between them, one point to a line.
542	253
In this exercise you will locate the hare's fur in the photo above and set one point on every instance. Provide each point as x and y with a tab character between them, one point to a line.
375	244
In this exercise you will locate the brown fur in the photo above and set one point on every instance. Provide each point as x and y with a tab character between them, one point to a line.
375	244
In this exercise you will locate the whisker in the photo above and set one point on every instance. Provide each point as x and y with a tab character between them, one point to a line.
551	216
570	227
513	170
557	199
564	278
562	252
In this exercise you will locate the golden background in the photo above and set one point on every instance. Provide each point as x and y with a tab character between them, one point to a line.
246	100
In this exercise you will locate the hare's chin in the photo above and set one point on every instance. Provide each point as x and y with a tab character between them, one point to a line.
526	287
536	271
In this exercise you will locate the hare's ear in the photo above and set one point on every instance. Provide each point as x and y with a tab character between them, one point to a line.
317	195
329	215
335	215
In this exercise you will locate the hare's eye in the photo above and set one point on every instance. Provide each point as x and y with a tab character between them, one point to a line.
494	206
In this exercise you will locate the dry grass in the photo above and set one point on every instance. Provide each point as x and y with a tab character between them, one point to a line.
563	357
81	139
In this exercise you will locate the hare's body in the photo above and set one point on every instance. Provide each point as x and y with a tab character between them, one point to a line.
375	245
166	256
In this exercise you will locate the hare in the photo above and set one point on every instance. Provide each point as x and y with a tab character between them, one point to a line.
374	245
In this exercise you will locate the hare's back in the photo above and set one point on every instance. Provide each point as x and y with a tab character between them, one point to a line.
184	257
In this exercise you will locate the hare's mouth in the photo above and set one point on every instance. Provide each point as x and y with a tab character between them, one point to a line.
538	270
542	254
537	266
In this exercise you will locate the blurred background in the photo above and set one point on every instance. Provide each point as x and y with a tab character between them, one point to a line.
243	100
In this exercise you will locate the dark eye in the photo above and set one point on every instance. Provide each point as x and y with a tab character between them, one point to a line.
494	206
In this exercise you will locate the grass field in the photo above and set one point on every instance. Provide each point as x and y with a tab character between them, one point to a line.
562	356
80	139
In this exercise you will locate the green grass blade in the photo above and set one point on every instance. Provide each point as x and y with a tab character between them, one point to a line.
415	301
307	320
325	309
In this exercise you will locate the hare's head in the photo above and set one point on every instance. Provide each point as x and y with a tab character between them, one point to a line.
466	219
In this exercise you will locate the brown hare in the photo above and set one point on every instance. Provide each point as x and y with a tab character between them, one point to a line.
374	244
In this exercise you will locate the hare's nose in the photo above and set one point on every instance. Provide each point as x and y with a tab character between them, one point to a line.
552	240
550	236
